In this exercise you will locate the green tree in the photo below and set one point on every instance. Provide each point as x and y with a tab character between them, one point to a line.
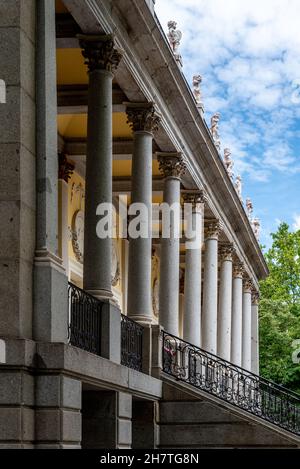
280	309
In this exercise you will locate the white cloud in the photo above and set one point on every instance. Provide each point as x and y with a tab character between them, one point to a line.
296	224
248	54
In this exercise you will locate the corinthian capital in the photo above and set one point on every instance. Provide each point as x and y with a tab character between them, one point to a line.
142	117
194	197
213	229
100	52
226	252
238	269
255	297
248	285
171	164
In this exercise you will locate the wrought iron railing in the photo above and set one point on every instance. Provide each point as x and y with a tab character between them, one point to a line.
231	383
131	343
84	320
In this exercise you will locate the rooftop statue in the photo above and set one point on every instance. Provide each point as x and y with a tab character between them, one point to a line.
214	128
174	36
228	162
256	227
197	80
238	186
249	208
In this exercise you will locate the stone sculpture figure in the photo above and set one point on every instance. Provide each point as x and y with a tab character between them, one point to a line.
197	80
214	128
228	162
249	208
174	36
238	186
256	227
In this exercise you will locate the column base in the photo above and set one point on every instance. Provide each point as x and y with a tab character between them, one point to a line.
141	319
101	294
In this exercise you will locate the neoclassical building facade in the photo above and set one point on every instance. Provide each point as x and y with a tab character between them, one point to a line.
113	342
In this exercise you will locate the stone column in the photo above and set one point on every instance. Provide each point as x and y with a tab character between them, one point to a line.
192	282
172	167
144	121
225	302
50	282
210	289
237	314
254	333
102	59
246	328
65	171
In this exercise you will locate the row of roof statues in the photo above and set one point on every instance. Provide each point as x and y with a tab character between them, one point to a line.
174	36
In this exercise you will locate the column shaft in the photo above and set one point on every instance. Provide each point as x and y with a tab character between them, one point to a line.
102	59
172	167
236	320
143	120
192	281
97	252
210	291
254	335
246	328
225	304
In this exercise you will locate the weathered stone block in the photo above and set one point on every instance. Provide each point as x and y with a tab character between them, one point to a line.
71	393
124	432
47	425
16	388
124	405
16	424
71	426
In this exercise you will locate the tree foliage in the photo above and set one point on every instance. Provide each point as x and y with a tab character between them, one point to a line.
280	309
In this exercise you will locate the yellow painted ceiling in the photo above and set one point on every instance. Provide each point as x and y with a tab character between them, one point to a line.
75	125
71	69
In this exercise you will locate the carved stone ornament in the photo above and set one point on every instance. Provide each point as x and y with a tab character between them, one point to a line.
174	36
247	285
171	165
213	229
256	227
65	168
214	129
197	80
77	231
238	186
238	269
143	117
100	52
255	297
226	252
228	162
155	297
194	197
115	264
249	208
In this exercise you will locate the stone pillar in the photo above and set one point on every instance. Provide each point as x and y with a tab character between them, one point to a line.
237	314
210	289
65	171
57	414
50	282
225	302
172	167
106	420
192	281
255	333
246	328
144	120
17	166
102	59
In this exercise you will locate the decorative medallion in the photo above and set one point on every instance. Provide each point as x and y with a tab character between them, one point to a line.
155	297
115	264
78	235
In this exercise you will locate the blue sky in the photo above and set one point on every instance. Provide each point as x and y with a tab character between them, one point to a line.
248	53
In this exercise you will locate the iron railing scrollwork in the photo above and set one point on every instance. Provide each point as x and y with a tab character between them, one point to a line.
84	320
231	383
131	343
